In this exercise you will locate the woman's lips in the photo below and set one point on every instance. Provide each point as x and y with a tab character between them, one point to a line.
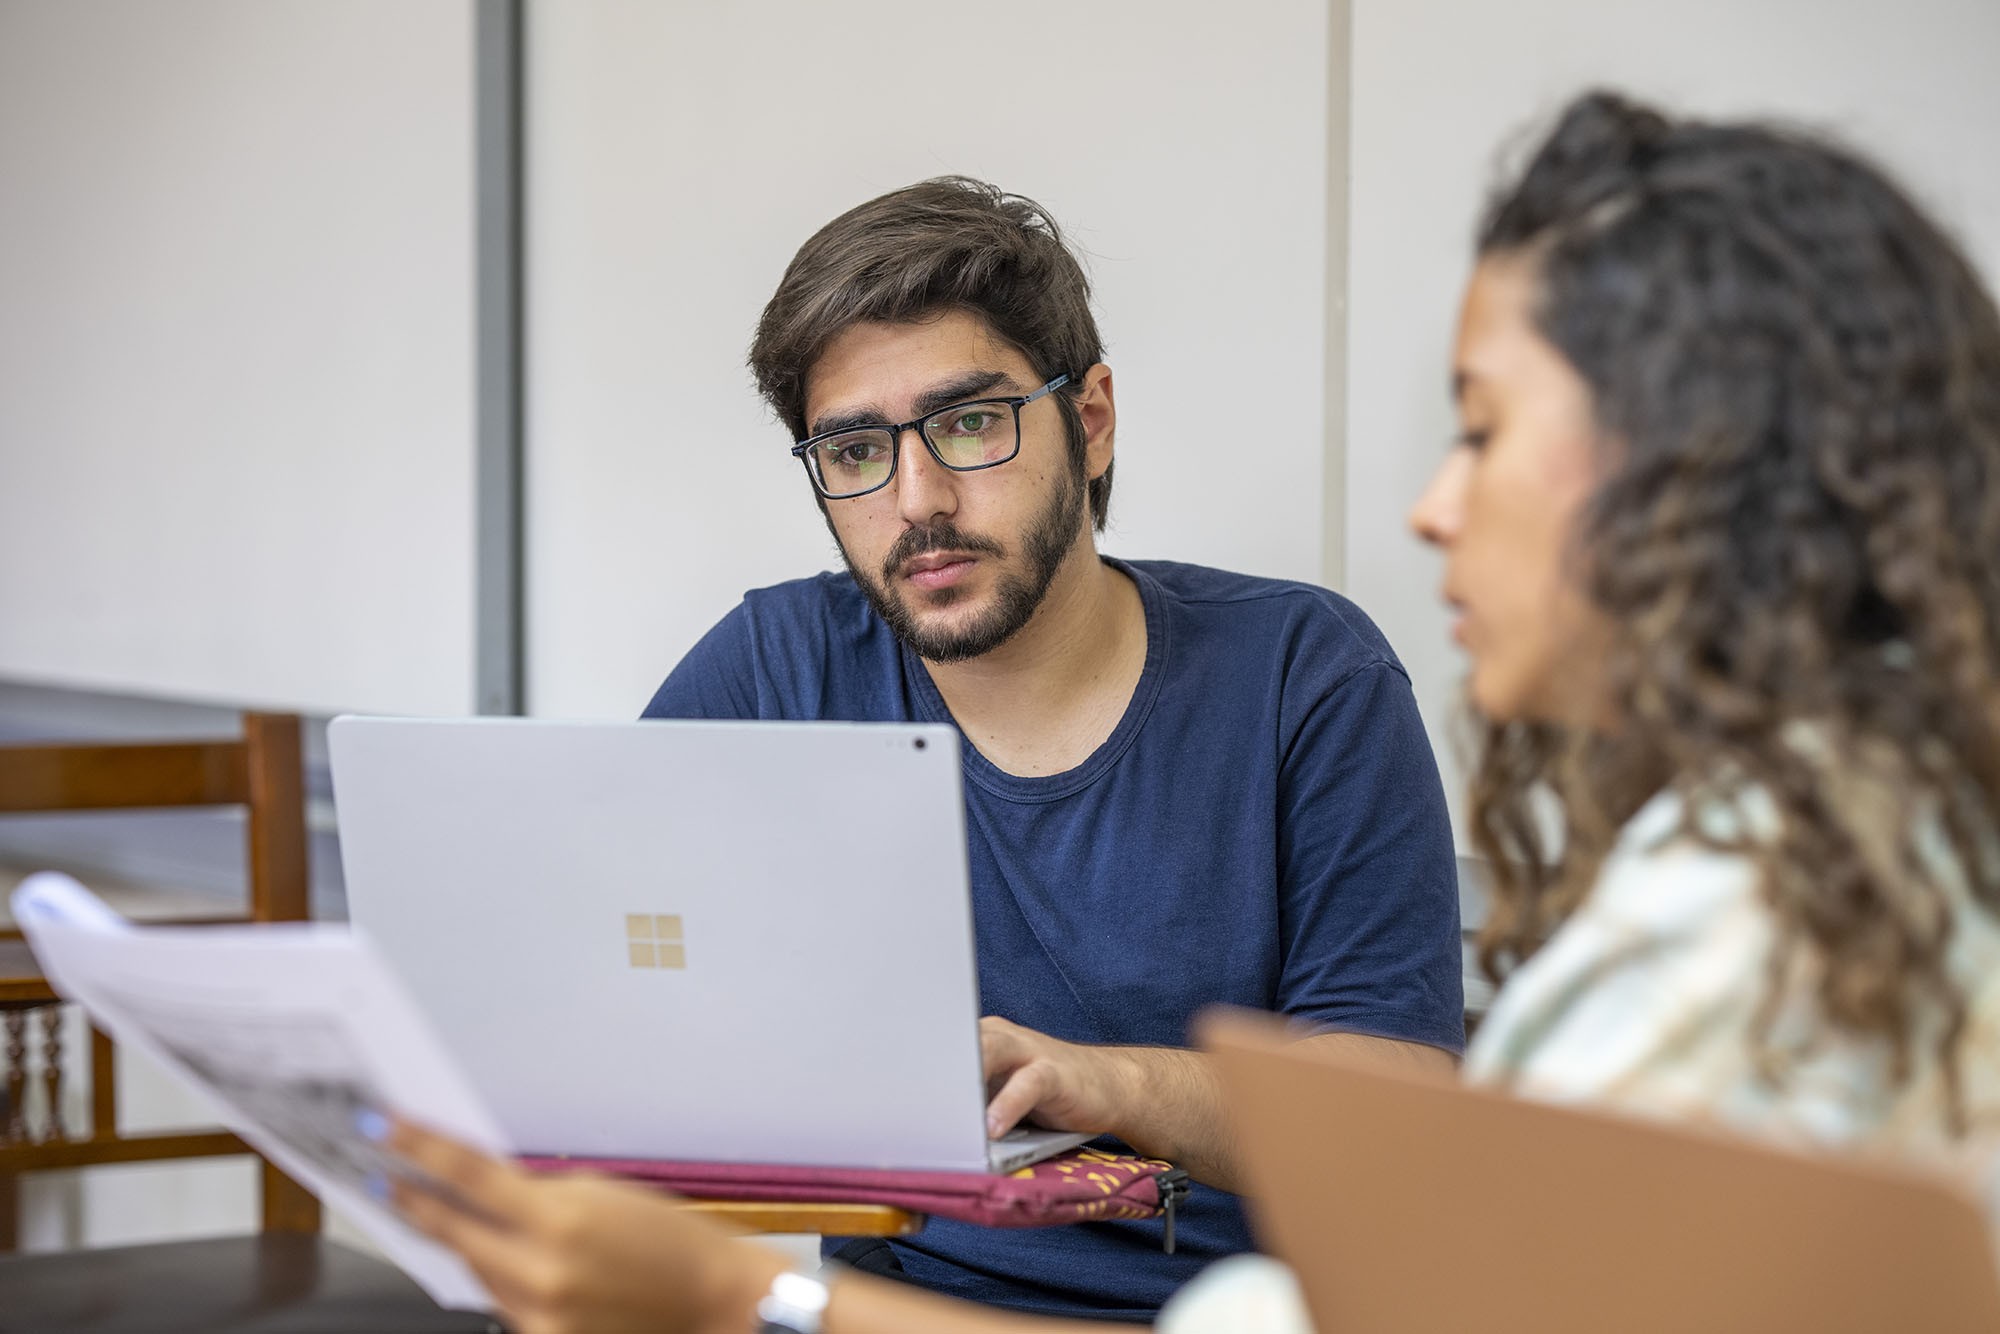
1459	616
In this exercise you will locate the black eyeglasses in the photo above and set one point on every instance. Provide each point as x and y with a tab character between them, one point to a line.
964	437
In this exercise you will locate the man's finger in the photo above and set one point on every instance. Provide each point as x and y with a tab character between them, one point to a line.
1016	1098
1000	1047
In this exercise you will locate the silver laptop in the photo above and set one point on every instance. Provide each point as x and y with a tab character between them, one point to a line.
743	942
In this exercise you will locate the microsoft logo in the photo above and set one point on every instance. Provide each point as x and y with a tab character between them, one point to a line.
654	940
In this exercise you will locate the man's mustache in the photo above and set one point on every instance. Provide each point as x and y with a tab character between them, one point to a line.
938	537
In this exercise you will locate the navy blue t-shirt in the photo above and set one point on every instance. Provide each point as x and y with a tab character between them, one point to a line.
1265	827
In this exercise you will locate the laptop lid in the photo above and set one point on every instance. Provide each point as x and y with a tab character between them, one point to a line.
1412	1205
691	940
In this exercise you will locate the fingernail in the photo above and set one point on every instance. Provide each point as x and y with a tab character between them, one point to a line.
993	1127
371	1125
377	1187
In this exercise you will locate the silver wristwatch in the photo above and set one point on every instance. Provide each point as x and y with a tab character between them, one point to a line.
795	1304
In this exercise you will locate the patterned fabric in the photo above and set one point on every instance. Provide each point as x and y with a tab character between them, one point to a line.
1645	1001
1110	1185
1646	998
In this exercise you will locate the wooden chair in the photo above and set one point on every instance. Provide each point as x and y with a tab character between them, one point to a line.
261	772
288	1273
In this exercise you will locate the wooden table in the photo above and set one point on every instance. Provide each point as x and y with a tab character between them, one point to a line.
839	1220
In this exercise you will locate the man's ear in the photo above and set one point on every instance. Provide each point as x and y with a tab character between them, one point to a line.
1100	420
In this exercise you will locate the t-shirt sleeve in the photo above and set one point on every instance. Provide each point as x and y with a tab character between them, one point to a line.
717	679
1368	876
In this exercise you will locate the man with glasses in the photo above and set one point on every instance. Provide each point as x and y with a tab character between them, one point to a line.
1183	786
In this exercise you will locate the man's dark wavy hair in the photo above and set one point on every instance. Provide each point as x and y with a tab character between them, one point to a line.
1796	540
952	243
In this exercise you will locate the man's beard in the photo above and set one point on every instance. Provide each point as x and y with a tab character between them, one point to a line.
1046	543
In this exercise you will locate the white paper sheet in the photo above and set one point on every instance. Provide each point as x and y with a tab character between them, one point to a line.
288	1031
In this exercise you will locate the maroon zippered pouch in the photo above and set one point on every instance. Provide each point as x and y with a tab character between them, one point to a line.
1083	1185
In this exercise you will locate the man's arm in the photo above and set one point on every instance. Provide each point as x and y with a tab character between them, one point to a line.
1368	896
1163	1101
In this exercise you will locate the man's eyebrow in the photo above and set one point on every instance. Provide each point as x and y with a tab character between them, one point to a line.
942	395
970	385
1460	379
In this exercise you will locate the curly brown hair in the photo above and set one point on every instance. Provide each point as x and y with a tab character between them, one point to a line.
1796	377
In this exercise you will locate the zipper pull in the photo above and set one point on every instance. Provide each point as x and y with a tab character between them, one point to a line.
1173	1184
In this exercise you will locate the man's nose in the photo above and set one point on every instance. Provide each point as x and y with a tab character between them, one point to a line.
925	489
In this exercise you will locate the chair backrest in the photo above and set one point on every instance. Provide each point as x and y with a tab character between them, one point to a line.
260	771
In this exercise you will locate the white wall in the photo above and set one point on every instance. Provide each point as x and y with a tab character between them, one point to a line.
1439	85
236	350
679	154
235	302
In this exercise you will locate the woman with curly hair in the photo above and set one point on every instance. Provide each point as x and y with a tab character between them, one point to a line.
1720	529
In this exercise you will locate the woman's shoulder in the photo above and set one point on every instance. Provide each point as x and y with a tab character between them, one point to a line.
1646	994
1657	995
1679	869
